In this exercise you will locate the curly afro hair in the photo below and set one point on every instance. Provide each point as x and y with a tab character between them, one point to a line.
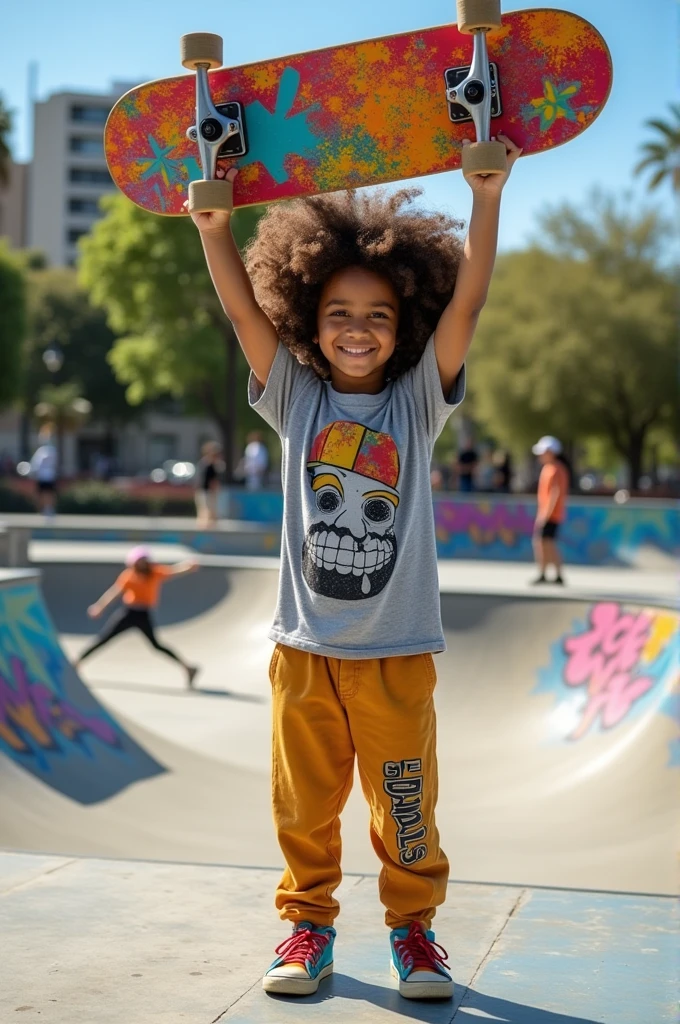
299	245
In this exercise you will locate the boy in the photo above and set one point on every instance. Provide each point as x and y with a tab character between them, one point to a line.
347	313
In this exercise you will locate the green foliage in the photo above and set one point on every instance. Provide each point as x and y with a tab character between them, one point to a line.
661	157
61	315
94	498
63	405
578	338
12	323
14	501
150	275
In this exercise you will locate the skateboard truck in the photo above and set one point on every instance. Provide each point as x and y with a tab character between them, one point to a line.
476	89
219	130
465	93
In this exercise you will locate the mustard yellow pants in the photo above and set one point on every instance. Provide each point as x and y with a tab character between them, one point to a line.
327	711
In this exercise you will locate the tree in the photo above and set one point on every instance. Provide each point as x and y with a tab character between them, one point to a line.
5	132
12	323
63	406
61	316
579	335
150	275
662	156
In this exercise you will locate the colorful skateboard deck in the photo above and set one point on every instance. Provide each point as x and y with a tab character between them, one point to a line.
363	113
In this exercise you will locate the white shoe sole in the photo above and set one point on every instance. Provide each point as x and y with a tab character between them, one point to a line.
295	986
422	989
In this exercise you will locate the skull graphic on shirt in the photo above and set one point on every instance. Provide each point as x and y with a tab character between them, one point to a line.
350	549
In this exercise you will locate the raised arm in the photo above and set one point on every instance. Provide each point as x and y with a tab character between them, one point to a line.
253	327
182	568
457	323
107	598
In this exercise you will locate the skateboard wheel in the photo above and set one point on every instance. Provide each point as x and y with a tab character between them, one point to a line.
207	196
201	48
476	15
484	158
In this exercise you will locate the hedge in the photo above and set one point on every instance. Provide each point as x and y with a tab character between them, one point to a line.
93	498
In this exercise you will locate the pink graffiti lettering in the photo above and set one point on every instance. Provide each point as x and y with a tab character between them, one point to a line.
32	711
604	659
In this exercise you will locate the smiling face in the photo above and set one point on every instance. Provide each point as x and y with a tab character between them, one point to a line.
357	328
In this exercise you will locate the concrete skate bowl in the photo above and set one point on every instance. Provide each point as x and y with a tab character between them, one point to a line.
558	748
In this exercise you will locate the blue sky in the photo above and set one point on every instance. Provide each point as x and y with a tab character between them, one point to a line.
87	45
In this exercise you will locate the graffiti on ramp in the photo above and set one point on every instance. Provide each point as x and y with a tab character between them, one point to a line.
609	668
50	724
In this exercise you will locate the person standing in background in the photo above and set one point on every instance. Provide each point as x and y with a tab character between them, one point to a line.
553	488
467	467
45	470
502	478
484	477
255	461
207	483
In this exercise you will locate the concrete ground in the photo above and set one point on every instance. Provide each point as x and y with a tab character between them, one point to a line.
88	941
180	928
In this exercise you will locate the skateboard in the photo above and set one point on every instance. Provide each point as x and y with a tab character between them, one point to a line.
359	114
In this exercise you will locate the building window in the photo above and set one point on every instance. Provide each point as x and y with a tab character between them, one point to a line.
82	144
162	448
89	176
90	115
73	234
90	207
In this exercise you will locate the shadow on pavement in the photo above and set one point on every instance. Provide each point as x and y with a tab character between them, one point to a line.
175	691
469	1005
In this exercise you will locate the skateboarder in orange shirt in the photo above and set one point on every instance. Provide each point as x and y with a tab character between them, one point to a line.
139	584
553	487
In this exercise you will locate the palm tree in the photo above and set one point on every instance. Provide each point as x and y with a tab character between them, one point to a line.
5	130
63	407
662	156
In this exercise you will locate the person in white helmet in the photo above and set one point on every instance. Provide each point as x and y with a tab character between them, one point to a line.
553	488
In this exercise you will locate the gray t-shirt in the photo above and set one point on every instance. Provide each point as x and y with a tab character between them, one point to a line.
358	556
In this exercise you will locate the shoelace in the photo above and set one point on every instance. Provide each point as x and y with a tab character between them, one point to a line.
302	946
418	952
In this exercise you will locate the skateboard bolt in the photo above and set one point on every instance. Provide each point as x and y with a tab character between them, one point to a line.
211	129
474	92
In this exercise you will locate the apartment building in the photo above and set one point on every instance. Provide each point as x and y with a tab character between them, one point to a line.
69	173
13	205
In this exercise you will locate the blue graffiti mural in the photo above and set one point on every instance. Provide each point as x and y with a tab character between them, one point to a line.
500	529
485	528
50	724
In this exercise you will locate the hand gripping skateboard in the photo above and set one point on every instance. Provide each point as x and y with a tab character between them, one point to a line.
359	114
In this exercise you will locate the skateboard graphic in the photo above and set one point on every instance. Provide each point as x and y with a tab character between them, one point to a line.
359	114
